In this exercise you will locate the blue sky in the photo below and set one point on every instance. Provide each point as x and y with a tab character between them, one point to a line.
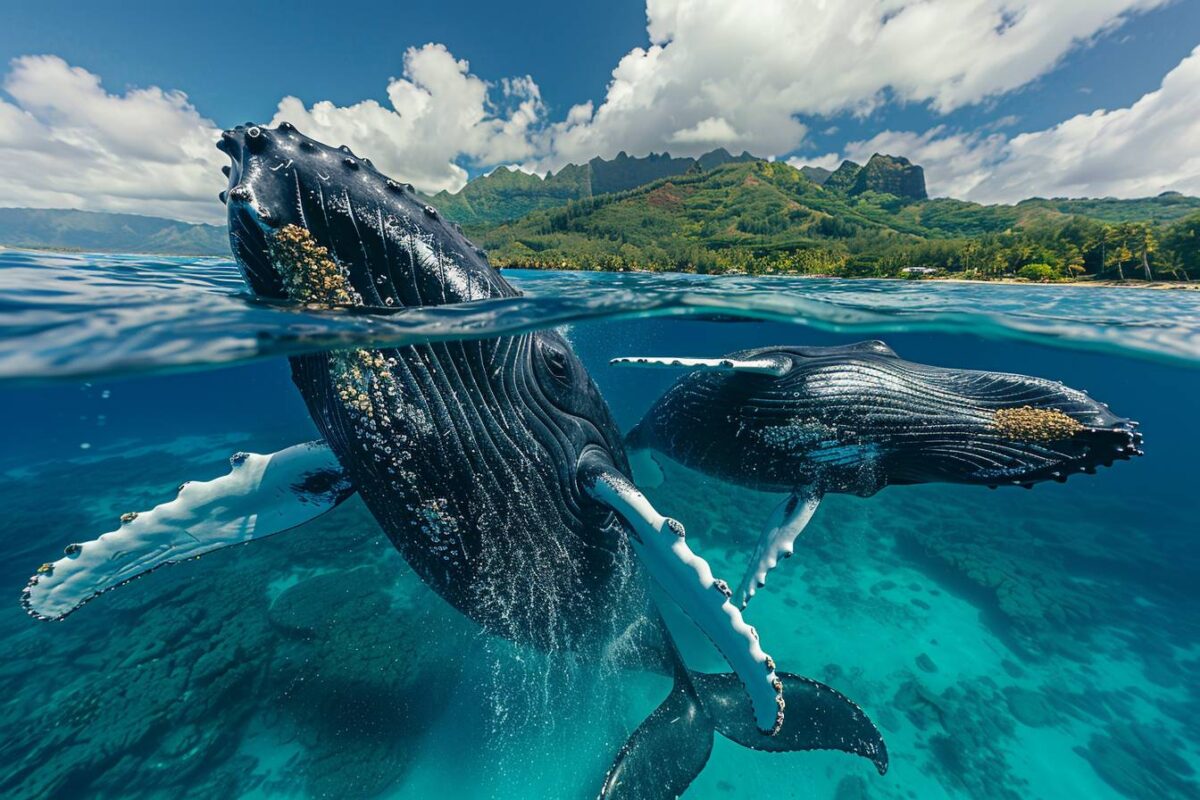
998	99
234	75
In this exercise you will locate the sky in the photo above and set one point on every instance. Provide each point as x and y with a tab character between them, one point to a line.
115	106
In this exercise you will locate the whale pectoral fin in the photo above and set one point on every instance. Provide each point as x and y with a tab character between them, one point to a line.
261	495
787	522
687	579
765	365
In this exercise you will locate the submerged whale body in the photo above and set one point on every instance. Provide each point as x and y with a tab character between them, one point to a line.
493	466
807	421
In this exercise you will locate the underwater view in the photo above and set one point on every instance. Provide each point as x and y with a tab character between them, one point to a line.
1006	644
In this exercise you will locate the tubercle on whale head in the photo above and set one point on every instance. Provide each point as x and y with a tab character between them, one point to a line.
318	224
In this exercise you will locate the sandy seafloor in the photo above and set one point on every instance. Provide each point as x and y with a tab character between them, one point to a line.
1009	644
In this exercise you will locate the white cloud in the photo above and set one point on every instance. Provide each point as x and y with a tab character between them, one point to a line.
712	131
1150	147
65	142
439	112
830	161
716	73
756	66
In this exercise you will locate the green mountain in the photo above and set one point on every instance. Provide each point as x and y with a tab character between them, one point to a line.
817	175
842	179
893	175
770	217
503	194
722	213
65	229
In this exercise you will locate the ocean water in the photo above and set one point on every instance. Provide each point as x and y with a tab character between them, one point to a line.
1009	643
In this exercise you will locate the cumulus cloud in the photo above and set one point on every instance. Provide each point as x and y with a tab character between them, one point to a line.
66	142
1147	148
439	113
740	74
830	161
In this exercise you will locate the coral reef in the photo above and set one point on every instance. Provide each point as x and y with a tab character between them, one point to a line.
1141	762
966	731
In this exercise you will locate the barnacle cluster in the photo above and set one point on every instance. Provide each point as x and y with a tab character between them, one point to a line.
355	373
1028	424
310	274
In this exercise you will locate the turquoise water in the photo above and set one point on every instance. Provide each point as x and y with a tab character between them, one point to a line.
1009	644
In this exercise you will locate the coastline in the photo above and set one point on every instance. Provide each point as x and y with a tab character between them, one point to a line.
1192	286
1187	286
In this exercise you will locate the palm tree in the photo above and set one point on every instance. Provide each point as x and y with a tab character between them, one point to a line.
1146	245
1113	251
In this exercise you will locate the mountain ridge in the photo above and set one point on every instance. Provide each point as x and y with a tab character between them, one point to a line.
102	231
738	213
762	217
506	194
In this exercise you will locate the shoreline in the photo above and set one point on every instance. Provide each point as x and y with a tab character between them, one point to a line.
1187	286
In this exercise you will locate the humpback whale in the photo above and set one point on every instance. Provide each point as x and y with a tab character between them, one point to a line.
807	421
494	466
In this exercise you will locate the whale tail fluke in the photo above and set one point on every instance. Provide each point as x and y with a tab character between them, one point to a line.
668	750
819	717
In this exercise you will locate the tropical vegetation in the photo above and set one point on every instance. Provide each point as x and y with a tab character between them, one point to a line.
770	218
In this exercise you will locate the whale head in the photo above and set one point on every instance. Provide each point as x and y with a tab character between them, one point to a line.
316	224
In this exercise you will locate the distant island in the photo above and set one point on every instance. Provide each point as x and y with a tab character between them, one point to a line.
66	229
722	213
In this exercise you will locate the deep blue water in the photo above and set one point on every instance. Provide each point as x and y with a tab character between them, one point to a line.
1008	643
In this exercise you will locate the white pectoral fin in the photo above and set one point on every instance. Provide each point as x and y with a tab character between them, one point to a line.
766	365
261	495
687	579
778	538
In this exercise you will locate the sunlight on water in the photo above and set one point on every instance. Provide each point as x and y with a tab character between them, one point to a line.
1009	644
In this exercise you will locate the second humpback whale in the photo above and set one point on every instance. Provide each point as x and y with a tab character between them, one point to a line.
494	466
807	421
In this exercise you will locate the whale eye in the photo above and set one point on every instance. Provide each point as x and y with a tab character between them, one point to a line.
555	361
253	131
